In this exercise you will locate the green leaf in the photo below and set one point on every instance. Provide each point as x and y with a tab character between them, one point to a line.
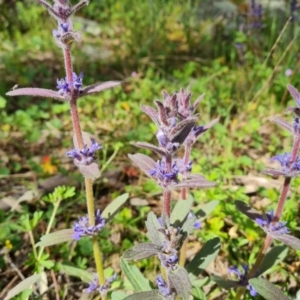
23	285
198	294
141	251
206	209
181	282
56	237
204	257
181	210
111	209
267	289
48	264
84	275
151	295
136	278
118	295
273	257
198	283
153	225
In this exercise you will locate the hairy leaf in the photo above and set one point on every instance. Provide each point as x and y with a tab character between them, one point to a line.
152	113
57	237
267	289
141	251
180	132
204	257
91	171
250	212
162	113
287	239
181	282
144	162
181	210
284	124
135	277
36	92
112	208
158	150
294	93
273	257
98	87
71	270
194	183
150	295
188	226
226	284
197	101
23	285
206	209
153	225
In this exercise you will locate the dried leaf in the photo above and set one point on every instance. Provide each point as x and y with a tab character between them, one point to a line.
57	237
141	251
157	150
98	87
144	162
267	289
36	92
23	285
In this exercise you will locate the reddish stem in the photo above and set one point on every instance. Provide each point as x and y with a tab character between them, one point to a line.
167	193
186	158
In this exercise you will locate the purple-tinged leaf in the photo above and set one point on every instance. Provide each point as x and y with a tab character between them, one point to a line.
135	277
91	171
196	103
149	295
87	140
153	225
294	93
180	132
174	103
284	124
250	212
141	251
273	257
98	87
194	183
112	208
162	113
204	257
158	150
152	113
181	209
287	239
267	289
36	92
57	237
144	162
179	278
23	285
226	284
294	109
276	173
196	176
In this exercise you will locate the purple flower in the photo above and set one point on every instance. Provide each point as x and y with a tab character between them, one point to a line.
288	72
269	226
86	156
83	227
162	286
296	125
256	13
64	26
164	177
293	8
77	81
243	278
93	285
103	289
64	87
285	158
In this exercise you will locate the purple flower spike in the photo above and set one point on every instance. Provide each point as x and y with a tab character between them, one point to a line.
284	160
93	285
83	228
86	156
64	26
77	81
162	286
268	226
243	278
162	176
63	86
103	289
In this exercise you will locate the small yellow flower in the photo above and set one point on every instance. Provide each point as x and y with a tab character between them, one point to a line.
8	245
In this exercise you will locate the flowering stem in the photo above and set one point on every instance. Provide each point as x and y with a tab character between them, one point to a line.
186	158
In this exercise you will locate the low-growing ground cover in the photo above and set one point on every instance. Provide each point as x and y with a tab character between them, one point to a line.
174	46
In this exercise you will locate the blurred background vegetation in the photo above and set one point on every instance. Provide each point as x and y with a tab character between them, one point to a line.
153	45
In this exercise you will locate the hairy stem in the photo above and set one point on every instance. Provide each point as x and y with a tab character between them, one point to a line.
186	158
167	193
